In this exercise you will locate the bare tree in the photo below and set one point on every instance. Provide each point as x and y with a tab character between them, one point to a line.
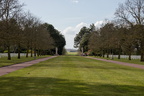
95	44
8	10
19	33
132	12
28	32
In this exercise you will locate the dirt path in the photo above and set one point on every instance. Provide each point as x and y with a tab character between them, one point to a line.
121	63
11	68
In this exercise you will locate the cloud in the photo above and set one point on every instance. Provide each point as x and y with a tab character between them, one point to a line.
99	24
75	1
82	24
71	31
74	30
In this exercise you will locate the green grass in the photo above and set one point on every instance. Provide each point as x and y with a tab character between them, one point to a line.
134	61
5	62
73	76
72	53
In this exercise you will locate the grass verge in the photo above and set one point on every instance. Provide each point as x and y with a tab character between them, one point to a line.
5	62
134	61
73	76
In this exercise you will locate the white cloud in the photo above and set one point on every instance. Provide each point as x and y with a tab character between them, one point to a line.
74	30
70	32
82	24
99	24
75	1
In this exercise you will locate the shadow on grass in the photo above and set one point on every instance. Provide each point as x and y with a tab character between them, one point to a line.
42	86
80	62
83	66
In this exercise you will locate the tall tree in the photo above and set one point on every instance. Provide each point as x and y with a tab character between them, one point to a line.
9	9
29	32
132	12
81	39
106	33
95	44
59	39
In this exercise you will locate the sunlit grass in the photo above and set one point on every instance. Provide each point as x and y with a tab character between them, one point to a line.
72	53
73	76
5	62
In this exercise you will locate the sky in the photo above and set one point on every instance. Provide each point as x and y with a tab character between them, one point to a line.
69	16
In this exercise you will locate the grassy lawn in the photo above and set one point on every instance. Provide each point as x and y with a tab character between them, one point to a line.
72	53
73	76
134	61
5	62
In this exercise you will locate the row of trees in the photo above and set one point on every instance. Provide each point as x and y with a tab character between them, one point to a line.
124	35
21	30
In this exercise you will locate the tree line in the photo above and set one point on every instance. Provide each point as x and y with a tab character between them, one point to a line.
23	32
123	35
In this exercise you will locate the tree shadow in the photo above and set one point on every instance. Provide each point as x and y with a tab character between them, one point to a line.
46	86
81	66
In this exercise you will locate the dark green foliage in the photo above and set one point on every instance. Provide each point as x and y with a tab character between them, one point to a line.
79	37
59	40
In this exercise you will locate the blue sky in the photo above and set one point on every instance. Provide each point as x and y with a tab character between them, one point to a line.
68	16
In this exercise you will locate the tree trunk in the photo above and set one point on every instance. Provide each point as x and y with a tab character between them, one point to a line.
35	52
103	53
142	56
27	52
112	54
119	54
31	53
142	51
38	53
9	56
19	51
130	56
107	53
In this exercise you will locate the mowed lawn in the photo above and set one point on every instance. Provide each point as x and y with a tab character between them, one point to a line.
14	60
72	53
74	76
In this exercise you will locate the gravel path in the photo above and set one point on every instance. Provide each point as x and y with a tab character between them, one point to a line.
121	63
11	68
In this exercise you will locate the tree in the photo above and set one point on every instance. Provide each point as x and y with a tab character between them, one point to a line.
81	39
19	33
44	41
128	44
8	10
106	33
132	13
28	29
118	38
95	44
59	39
20	30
